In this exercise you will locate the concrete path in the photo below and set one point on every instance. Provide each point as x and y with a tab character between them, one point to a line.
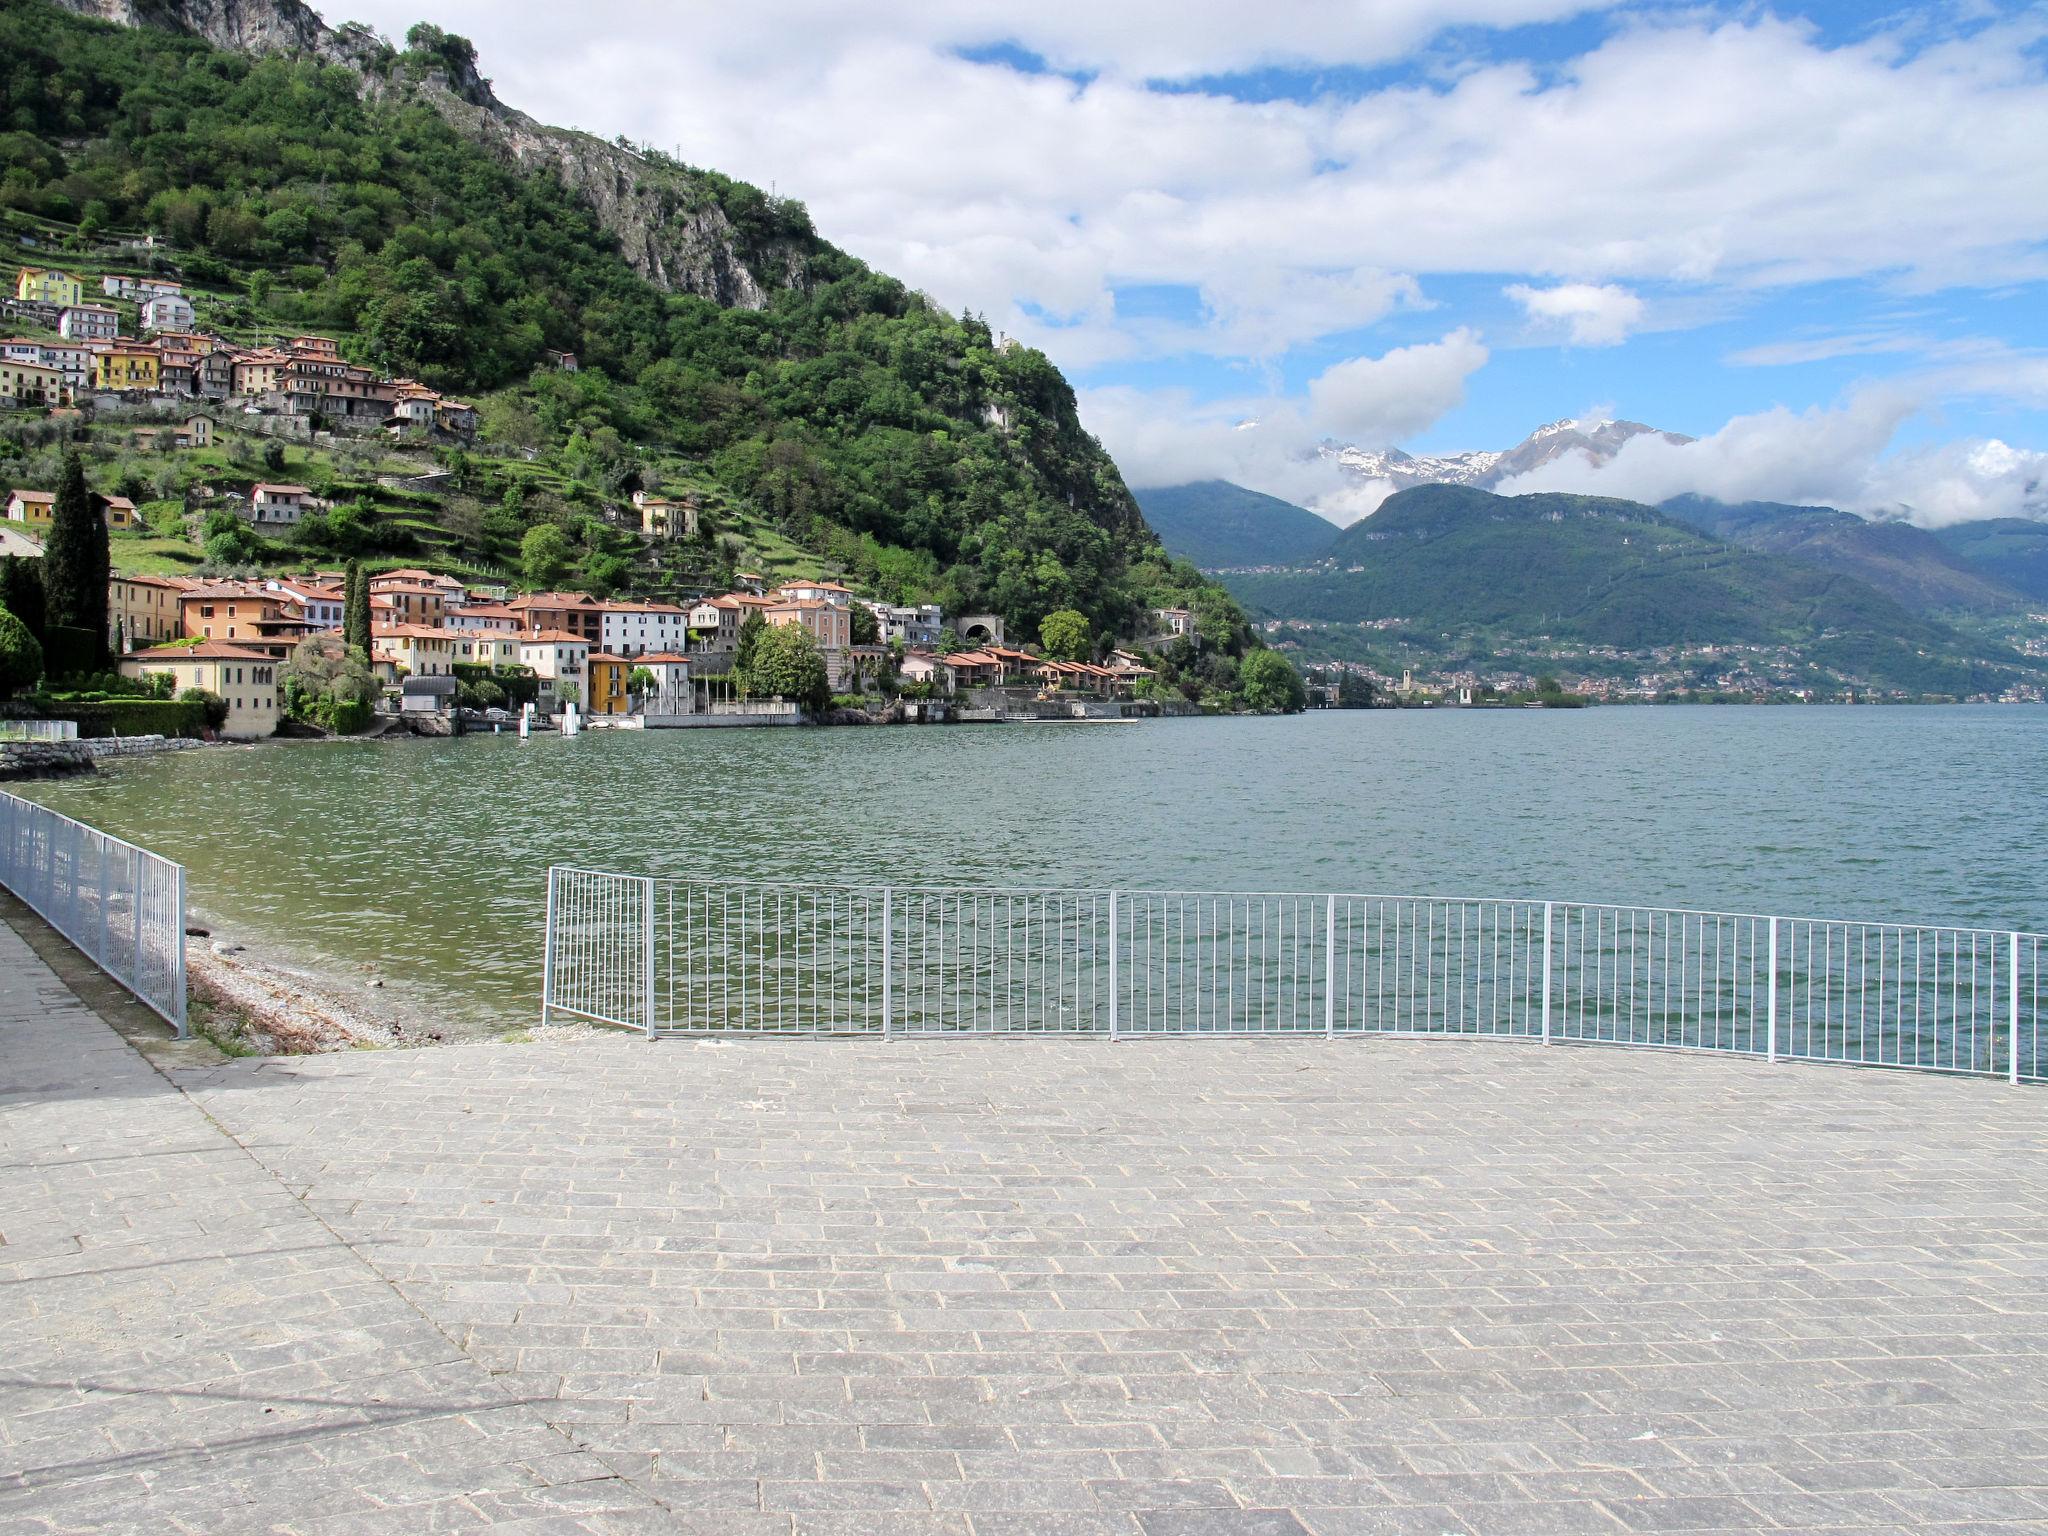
1171	1289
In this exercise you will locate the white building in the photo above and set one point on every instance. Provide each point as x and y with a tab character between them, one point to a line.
89	322
637	629
913	627
319	606
556	656
167	312
279	505
673	692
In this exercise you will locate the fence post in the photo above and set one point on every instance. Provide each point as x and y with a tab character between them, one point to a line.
547	951
178	949
1771	995
1546	972
135	902
1330	968
102	924
2012	980
888	959
647	949
1114	1021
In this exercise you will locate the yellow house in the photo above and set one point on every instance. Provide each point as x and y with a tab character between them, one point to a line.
119	368
144	609
40	287
38	508
246	679
30	384
608	675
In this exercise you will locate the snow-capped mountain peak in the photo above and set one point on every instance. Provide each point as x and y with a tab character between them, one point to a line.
1598	440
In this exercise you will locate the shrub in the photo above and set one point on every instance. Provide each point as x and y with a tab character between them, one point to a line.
21	657
130	716
215	707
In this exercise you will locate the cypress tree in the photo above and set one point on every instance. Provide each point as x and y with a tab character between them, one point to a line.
355	611
75	559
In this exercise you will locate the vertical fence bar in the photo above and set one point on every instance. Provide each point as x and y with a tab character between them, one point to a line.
1546	971
1771	997
1113	999
2012	983
1330	968
647	953
547	954
178	950
888	945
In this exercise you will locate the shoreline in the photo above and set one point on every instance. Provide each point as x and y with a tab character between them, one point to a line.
248	998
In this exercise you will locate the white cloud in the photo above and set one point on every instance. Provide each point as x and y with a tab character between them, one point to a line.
1840	456
1590	314
1377	401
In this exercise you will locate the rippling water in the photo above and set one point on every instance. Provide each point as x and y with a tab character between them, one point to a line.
430	857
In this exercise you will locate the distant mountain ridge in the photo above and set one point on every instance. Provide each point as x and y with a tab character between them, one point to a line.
1599	441
1220	526
1600	572
1906	563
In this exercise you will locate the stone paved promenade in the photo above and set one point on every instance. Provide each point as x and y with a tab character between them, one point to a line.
1177	1289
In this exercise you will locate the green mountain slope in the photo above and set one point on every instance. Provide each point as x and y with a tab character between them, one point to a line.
1601	572
383	197
2010	550
1903	562
1218	525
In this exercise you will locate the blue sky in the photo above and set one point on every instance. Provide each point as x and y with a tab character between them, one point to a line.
1812	234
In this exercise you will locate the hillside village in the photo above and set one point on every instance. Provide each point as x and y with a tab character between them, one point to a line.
444	652
300	385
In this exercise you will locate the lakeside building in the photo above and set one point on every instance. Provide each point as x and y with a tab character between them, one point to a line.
245	677
916	628
557	656
577	613
636	629
674	691
415	650
29	386
167	312
606	676
322	606
244	614
143	610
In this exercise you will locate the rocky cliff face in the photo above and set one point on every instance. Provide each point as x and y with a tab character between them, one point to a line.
668	223
247	26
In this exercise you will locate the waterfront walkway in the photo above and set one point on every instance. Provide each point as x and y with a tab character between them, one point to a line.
1171	1289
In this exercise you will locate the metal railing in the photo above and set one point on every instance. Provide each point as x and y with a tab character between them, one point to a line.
120	905
673	957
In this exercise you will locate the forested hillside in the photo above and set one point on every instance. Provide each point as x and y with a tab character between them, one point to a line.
1219	525
819	400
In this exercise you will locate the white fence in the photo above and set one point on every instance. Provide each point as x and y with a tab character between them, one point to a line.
683	958
38	730
123	906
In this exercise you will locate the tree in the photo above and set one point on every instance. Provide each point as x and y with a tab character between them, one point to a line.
864	628
787	663
21	655
75	559
544	554
1065	635
641	682
216	707
355	611
326	685
752	628
1269	684
21	590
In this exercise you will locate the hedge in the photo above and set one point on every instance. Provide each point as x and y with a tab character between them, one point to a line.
131	717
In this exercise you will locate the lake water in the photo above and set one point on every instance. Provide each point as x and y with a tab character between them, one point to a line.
429	858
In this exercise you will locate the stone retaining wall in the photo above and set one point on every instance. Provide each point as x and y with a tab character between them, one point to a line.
44	759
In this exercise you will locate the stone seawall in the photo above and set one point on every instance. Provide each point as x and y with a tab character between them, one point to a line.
53	759
44	759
